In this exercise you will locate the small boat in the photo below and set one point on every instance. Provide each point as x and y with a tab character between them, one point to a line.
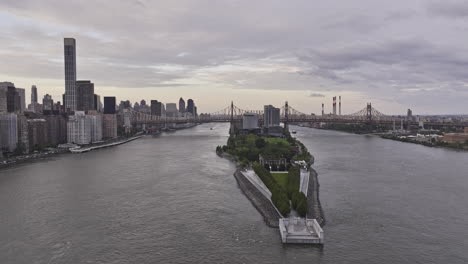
294	132
211	128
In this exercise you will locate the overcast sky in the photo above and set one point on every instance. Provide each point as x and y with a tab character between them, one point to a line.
396	54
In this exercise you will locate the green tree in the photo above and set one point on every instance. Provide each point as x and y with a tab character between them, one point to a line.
302	207
260	142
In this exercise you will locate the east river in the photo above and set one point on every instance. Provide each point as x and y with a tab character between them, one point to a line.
170	199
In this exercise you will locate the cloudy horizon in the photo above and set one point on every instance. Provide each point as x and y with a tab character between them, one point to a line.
398	55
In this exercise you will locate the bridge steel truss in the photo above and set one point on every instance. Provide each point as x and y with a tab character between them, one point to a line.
367	115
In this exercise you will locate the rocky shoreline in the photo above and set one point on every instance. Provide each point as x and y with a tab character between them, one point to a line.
313	199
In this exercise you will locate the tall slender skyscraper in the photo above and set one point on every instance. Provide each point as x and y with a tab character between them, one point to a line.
70	74
33	94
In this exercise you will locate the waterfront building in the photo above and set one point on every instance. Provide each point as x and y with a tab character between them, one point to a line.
156	108
250	121
37	134
191	107
8	132
79	129
85	95
171	110
271	116
109	105
33	94
56	128
181	105
23	133
109	124
455	137
70	101
47	103
96	126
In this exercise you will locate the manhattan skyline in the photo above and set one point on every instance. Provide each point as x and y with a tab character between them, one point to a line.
407	55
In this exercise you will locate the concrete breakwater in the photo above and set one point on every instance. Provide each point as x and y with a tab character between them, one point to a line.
315	210
260	202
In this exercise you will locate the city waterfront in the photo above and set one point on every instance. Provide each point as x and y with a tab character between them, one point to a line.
171	199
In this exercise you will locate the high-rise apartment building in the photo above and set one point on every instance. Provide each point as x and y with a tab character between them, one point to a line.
37	133
271	116
79	129
56	128
85	96
109	105
23	136
70	74
109	126
8	132
96	126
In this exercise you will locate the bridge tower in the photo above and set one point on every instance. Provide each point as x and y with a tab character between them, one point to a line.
232	130
286	117
369	112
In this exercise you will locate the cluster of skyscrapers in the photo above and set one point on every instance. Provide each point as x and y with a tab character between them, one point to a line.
81	119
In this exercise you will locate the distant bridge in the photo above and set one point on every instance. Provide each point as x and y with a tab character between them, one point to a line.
232	113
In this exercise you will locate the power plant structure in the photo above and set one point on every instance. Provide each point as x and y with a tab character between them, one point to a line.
323	109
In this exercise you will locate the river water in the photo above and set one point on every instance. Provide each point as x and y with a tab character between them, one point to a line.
170	199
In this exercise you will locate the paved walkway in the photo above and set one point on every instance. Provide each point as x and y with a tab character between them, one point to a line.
304	185
257	182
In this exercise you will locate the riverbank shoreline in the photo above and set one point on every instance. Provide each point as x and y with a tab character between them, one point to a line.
18	160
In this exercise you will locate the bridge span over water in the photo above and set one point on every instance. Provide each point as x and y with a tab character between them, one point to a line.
232	113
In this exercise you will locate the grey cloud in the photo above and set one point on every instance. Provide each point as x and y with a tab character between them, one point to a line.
316	95
378	48
448	8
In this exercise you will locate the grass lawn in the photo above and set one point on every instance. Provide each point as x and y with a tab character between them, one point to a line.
277	141
281	179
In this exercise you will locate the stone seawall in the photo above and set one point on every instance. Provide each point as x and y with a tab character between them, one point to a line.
261	203
313	200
